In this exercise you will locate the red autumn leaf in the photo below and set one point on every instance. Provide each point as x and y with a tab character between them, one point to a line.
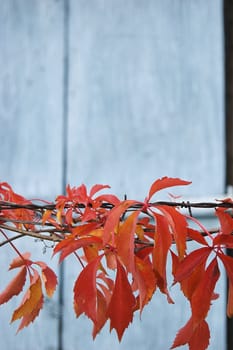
202	296
85	291
195	235
223	240
107	280
189	284
20	261
89	214
190	262
106	284
77	194
143	253
5	188
74	196
31	299
226	221
97	188
125	241
101	317
18	214
108	198
105	290
184	335
50	280
200	338
80	194
175	262
111	260
196	337
69	216
15	286
163	241
228	264
91	252
113	219
165	182
145	280
179	227
120	310
83	230
70	245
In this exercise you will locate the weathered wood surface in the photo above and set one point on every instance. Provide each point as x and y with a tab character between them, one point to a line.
31	76
31	68
145	100
146	94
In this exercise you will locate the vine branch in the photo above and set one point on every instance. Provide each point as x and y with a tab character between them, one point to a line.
48	232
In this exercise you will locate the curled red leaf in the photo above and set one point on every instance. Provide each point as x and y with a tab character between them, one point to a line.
120	310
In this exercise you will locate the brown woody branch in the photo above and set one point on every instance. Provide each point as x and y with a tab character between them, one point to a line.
48	232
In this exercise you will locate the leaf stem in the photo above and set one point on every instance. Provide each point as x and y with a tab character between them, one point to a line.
12	245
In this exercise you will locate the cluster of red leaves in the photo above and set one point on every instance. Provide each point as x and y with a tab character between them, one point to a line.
33	298
132	240
18	214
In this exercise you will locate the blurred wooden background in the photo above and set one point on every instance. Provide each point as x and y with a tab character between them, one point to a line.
114	92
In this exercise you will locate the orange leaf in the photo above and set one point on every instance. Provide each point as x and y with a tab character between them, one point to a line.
70	245
31	299
165	182
85	291
108	281
113	219
46	215
125	241
27	319
83	230
120	310
15	286
163	241
101	317
91	252
111	260
145	279
202	296
50	280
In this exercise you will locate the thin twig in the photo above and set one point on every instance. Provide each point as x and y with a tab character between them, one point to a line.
53	237
8	240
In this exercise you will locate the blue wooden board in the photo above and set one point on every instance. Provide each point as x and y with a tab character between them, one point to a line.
145	100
